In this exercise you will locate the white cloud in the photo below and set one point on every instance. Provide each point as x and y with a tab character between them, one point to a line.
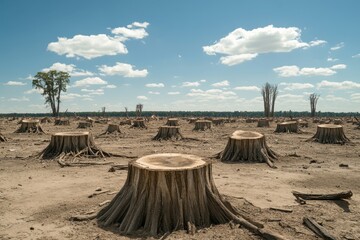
154	93
242	45
332	59
294	71
122	69
22	99
221	84
71	96
190	84
211	94
356	55
338	85
34	90
69	68
142	97
316	43
334	98
355	96
337	46
296	86
14	83
202	80
93	91
90	81
88	47
138	24
339	66
173	93
110	86
247	88
155	85
135	30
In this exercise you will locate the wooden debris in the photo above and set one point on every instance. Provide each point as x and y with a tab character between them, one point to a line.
104	203
332	196
281	209
317	229
83	217
98	193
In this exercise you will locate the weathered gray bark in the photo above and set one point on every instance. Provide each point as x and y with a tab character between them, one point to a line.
168	132
202	125
30	126
287	127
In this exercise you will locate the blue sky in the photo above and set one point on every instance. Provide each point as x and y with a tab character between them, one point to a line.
182	55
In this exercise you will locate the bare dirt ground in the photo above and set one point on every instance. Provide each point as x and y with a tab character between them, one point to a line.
38	197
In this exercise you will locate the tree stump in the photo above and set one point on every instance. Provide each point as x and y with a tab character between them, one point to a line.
112	128
245	146
172	122
84	124
192	120
218	121
168	132
3	138
164	193
338	121
329	133
287	127
72	144
139	123
263	123
59	121
30	126
202	125
45	120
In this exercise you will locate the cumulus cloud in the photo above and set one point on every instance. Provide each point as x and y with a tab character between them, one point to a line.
71	96
173	93
337	46
69	68
99	91
294	71
22	99
89	81
155	85
296	86
247	88
88	47
338	85
356	55
142	97
243	45
154	93
14	83
332	59
110	86
135	30
212	94
190	84
122	69
34	90
138	24
221	84
355	96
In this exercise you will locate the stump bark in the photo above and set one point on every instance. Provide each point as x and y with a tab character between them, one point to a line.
126	122
59	121
84	124
72	144
192	120
112	128
139	123
218	121
3	138
30	126
172	122
45	120
168	192
245	146
263	123
202	125
168	132
287	127
330	133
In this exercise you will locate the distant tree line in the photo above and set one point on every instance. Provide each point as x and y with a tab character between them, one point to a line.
187	114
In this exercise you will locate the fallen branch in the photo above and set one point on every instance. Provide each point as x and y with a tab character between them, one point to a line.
332	196
98	193
83	217
317	229
281	210
118	167
104	203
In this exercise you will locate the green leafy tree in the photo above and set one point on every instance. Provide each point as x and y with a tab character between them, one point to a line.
52	83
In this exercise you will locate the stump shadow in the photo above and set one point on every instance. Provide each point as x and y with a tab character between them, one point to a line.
343	204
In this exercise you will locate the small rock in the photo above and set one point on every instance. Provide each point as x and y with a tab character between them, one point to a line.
344	165
31	228
30	177
19	185
98	189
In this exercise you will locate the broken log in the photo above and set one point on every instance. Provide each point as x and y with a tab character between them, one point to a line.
317	229
331	196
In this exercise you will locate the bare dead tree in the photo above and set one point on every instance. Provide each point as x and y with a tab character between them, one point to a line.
313	101
103	111
269	93
126	112
139	108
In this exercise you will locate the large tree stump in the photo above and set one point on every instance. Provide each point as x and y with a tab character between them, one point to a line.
30	126
245	146
72	144
138	123
59	121
168	132
84	124
3	138
202	125
172	122
329	133
169	192
262	122
218	121
287	127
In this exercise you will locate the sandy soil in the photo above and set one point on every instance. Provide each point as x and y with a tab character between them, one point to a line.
38	197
